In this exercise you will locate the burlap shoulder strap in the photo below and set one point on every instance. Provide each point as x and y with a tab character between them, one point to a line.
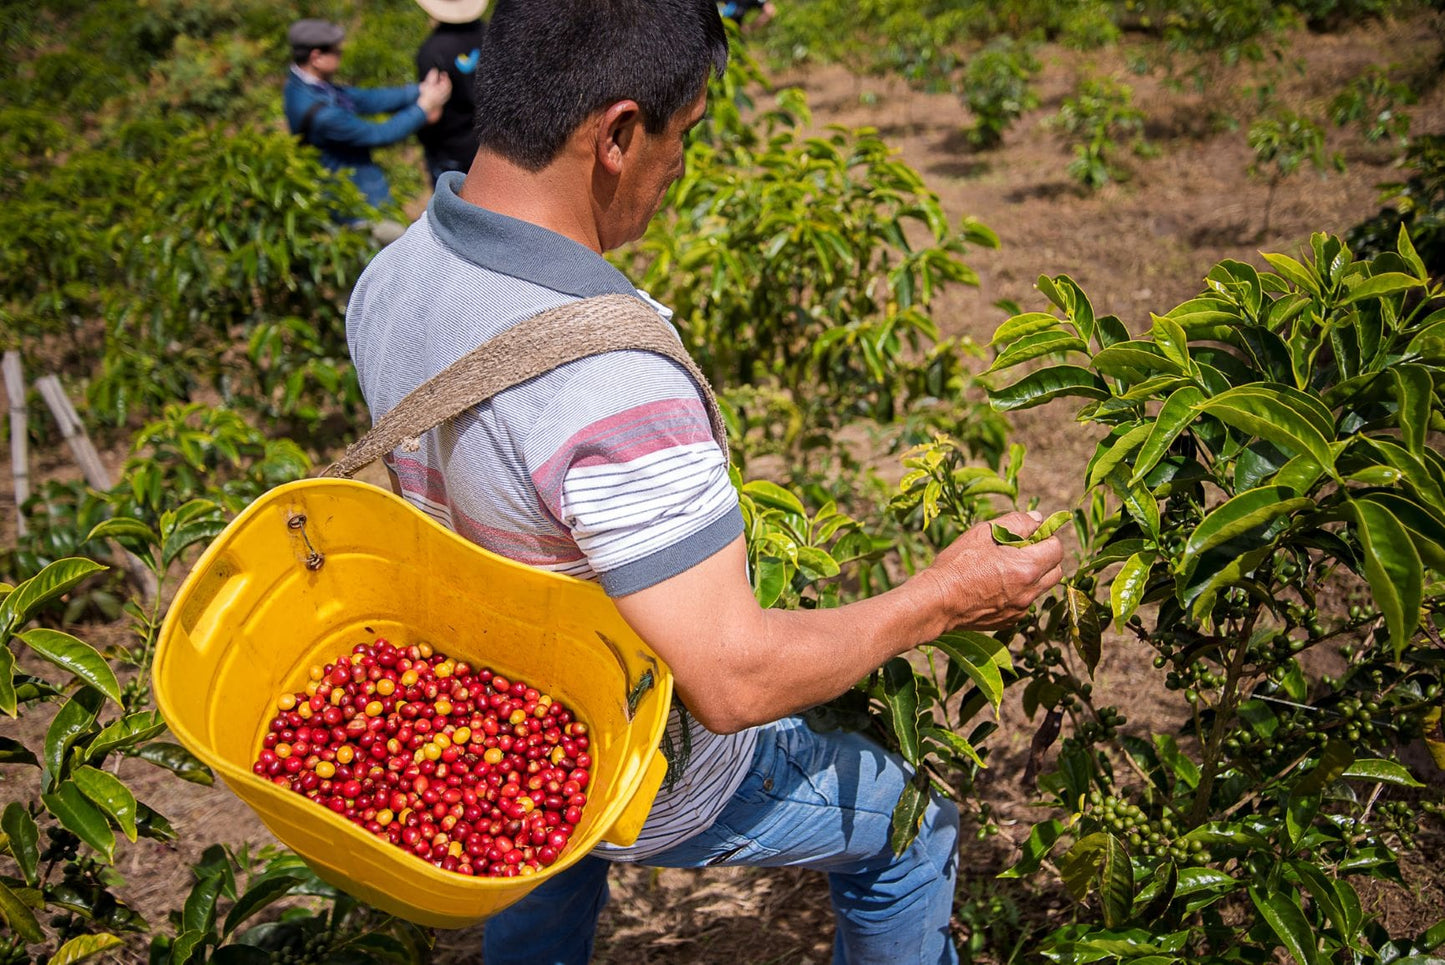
590	326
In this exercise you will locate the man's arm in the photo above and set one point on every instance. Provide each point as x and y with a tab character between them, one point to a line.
737	665
337	125
416	105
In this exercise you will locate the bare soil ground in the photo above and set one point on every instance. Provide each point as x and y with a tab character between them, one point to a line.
1136	247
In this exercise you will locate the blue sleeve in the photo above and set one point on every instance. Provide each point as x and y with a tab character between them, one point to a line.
339	126
381	100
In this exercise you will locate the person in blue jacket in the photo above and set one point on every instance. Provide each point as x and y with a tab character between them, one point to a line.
332	116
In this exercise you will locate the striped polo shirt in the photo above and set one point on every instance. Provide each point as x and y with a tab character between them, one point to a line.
604	468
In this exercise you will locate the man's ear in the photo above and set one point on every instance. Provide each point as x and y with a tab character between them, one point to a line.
618	128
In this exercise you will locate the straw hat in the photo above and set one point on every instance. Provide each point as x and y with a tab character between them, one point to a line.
453	11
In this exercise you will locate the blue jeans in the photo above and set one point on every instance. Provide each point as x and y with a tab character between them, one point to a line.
820	801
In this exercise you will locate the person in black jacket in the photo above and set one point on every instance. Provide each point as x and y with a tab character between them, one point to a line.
453	46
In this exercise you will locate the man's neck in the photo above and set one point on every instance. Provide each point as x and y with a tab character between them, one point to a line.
555	198
312	74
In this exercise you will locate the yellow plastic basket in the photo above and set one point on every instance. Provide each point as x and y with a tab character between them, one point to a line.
316	566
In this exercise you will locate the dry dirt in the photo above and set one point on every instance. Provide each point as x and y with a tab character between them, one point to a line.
1137	247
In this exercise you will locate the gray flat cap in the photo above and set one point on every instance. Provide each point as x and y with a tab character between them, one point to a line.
314	33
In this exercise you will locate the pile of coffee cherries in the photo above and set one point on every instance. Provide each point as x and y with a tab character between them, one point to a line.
462	767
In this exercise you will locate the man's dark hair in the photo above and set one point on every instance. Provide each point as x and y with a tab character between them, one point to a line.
546	65
300	55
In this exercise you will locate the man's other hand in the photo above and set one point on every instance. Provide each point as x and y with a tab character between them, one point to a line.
434	91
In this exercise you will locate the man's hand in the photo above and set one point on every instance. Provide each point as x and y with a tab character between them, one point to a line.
434	91
737	665
986	586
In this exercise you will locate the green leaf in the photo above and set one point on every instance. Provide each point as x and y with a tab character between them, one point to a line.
773	496
19	917
1046	385
1158	894
177	760
1270	413
816	564
24	836
1116	883
1426	531
49	583
1101	858
1385	772
1127	589
1299	474
1174	416
1335	758
1392	568
1415	396
1194	880
1288	923
84	946
1035	346
1221	567
1114	450
128	731
1139	501
976	661
1294	272
126	529
956	744
1335	895
185	945
1035	849
199	913
1047	528
1179	764
1023	326
1084	631
1387	283
1172	341
1255	516
110	794
74	656
908	815
900	691
14	752
9	702
1134	361
74	719
258	896
75	812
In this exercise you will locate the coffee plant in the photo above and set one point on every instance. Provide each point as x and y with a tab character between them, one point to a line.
1282	142
1266	450
1374	102
1101	111
997	87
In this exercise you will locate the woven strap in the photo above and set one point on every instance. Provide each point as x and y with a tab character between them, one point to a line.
590	326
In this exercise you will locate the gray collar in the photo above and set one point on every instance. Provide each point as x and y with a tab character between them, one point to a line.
519	248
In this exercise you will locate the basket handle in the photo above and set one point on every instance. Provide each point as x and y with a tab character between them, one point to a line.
578	329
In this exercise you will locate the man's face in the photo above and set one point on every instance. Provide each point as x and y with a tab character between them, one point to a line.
325	61
656	161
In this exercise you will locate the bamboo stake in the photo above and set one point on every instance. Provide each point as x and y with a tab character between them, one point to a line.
73	431
19	454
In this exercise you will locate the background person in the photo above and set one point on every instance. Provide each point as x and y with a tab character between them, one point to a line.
606	469
454	47
739	12
330	117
